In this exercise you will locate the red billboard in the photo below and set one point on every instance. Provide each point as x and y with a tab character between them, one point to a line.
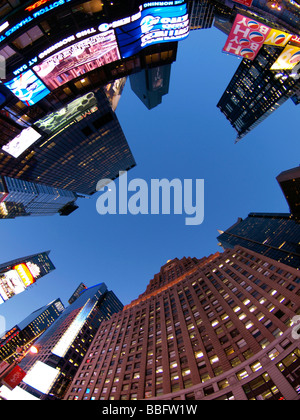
246	37
14	378
247	3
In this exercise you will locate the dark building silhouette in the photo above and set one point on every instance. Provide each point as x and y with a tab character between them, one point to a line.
274	235
289	182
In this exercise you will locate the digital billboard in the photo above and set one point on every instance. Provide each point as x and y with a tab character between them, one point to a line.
155	25
277	38
78	59
41	377
11	284
287	60
19	144
246	37
58	120
28	88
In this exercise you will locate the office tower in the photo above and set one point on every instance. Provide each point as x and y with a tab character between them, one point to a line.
255	91
151	85
82	143
23	198
289	182
273	235
218	328
77	293
63	346
201	14
27	331
19	274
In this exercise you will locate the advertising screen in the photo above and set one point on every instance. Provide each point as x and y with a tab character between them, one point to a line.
288	59
10	285
246	37
156	25
41	377
21	143
78	59
25	274
28	88
58	120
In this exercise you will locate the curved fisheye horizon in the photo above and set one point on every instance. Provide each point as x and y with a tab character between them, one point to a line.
149	181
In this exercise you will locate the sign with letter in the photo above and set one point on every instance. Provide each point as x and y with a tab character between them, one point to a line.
246	37
287	60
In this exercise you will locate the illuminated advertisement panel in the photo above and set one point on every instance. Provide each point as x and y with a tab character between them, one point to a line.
63	117
10	285
156	25
78	59
24	274
29	14
41	377
28	88
287	60
277	38
246	37
21	143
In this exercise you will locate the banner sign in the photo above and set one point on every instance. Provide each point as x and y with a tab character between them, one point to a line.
14	378
277	38
247	3
156	25
246	37
287	60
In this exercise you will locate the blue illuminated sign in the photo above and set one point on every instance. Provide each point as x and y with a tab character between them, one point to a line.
28	88
165	23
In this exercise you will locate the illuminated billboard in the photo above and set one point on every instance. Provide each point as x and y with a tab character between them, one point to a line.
56	121
11	284
246	37
28	88
78	59
287	60
41	377
19	144
277	38
25	274
155	25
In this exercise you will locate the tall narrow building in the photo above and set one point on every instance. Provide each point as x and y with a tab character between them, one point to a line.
63	346
19	274
216	328
274	235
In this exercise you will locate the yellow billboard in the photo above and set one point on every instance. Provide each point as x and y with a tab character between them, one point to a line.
287	60
277	38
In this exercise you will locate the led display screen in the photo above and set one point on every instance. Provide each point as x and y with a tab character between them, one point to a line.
21	143
78	59
41	377
58	120
156	25
11	284
28	88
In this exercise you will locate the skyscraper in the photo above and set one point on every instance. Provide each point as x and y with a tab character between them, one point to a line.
255	91
63	346
19	274
27	331
23	198
215	328
289	182
270	234
81	143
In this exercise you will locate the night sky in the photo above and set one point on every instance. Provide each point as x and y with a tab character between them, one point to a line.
186	137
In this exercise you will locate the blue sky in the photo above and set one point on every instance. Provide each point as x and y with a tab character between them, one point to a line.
186	137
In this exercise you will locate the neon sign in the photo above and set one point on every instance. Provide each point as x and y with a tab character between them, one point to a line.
36	5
